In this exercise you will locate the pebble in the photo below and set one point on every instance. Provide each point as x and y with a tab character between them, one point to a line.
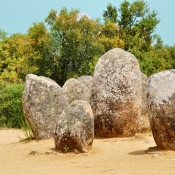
155	155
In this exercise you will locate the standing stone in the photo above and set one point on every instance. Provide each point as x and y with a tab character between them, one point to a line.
75	128
87	80
161	103
117	95
75	90
43	102
144	124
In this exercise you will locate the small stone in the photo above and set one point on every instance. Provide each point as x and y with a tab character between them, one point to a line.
155	155
148	141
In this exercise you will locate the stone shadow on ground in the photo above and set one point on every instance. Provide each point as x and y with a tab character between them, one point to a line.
136	153
150	150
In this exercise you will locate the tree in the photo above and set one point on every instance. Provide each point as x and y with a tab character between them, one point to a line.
109	36
43	50
136	24
79	41
171	50
11	113
155	61
14	52
22	54
3	35
110	14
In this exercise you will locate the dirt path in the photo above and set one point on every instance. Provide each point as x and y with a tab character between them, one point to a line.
120	156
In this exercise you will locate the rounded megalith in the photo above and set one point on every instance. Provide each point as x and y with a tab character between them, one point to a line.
116	96
76	90
87	79
43	101
75	128
161	108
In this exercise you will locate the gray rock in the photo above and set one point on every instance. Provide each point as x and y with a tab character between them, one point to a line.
75	90
144	119
87	80
75	128
43	102
117	95
161	105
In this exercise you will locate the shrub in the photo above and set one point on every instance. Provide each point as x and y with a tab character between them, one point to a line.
11	112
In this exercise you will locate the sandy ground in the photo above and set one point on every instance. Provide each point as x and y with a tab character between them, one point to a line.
121	156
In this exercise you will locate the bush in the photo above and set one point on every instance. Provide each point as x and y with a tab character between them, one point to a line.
11	112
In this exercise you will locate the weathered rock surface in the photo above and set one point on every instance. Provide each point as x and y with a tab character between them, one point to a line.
75	128
75	90
87	80
117	95
43	102
143	123
161	104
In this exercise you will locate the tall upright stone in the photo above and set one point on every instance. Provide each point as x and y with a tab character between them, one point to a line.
117	95
43	101
161	105
75	128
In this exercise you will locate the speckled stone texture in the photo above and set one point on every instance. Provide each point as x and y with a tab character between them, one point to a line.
144	123
43	102
76	90
116	98
75	128
87	80
161	104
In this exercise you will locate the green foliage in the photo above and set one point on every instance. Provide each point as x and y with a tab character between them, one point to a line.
68	44
154	61
136	27
3	35
65	149
79	40
11	113
3	84
43	50
110	14
15	53
136	24
151	65
27	130
109	36
76	45
171	51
